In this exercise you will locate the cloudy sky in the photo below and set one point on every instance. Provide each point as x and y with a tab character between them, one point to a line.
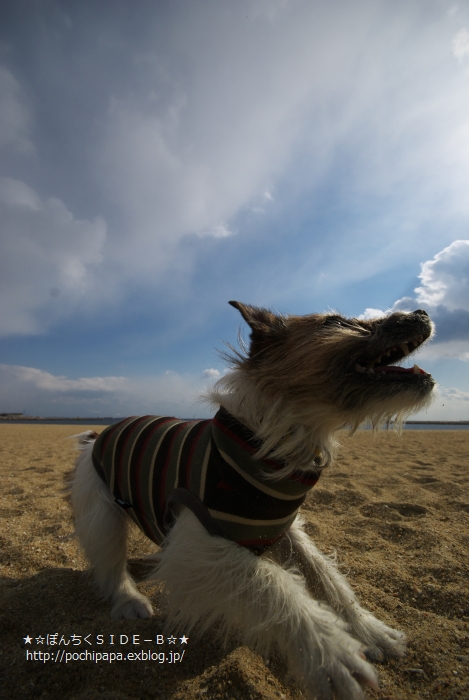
160	158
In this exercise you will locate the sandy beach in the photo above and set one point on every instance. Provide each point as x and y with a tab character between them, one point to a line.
395	509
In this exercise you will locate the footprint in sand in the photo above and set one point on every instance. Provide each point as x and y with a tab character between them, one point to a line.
449	488
434	598
425	479
412	538
387	510
10	513
321	496
39	470
458	505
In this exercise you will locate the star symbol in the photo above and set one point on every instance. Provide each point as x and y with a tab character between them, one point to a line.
184	639
27	639
171	640
40	640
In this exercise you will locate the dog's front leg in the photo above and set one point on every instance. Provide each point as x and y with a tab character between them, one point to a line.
212	581
325	581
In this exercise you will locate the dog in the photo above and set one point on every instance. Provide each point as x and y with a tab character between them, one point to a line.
235	556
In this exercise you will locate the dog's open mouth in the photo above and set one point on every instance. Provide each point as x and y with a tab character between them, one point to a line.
382	364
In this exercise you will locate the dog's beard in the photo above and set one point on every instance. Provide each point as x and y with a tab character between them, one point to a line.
374	386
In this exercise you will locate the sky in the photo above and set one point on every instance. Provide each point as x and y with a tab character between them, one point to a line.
158	159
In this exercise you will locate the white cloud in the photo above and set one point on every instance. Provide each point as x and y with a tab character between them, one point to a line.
445	279
444	294
46	259
16	194
372	313
15	117
51	383
198	146
250	105
461	45
220	230
449	404
211	374
41	393
455	394
440	349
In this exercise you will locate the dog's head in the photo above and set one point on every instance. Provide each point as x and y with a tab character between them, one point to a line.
348	367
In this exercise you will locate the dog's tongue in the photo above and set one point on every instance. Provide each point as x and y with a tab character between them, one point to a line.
389	369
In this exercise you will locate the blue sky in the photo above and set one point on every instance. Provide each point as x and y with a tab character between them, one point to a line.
160	158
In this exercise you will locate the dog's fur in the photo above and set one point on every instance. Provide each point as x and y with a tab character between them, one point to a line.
300	381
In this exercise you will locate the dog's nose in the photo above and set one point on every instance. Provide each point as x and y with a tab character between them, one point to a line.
421	312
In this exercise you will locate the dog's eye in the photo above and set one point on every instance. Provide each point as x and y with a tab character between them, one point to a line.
339	322
334	321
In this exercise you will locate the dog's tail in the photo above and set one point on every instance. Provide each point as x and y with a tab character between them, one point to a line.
84	439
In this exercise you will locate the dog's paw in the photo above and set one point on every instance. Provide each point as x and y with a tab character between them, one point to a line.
132	608
379	638
343	672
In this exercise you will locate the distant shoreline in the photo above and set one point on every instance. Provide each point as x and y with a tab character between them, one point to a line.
437	422
9	417
80	418
15	417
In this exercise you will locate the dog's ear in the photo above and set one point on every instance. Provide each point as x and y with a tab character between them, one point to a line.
258	319
265	326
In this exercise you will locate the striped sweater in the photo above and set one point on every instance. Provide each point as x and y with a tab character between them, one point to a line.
153	463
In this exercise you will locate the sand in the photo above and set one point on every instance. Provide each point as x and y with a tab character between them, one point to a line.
395	510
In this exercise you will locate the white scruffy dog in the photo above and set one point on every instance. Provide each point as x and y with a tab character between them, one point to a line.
300	381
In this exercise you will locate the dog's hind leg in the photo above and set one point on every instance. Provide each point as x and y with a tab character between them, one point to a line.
212	582
101	527
325	582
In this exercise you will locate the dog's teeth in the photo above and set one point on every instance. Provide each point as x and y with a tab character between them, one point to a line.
359	368
387	353
405	349
370	370
378	360
416	370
